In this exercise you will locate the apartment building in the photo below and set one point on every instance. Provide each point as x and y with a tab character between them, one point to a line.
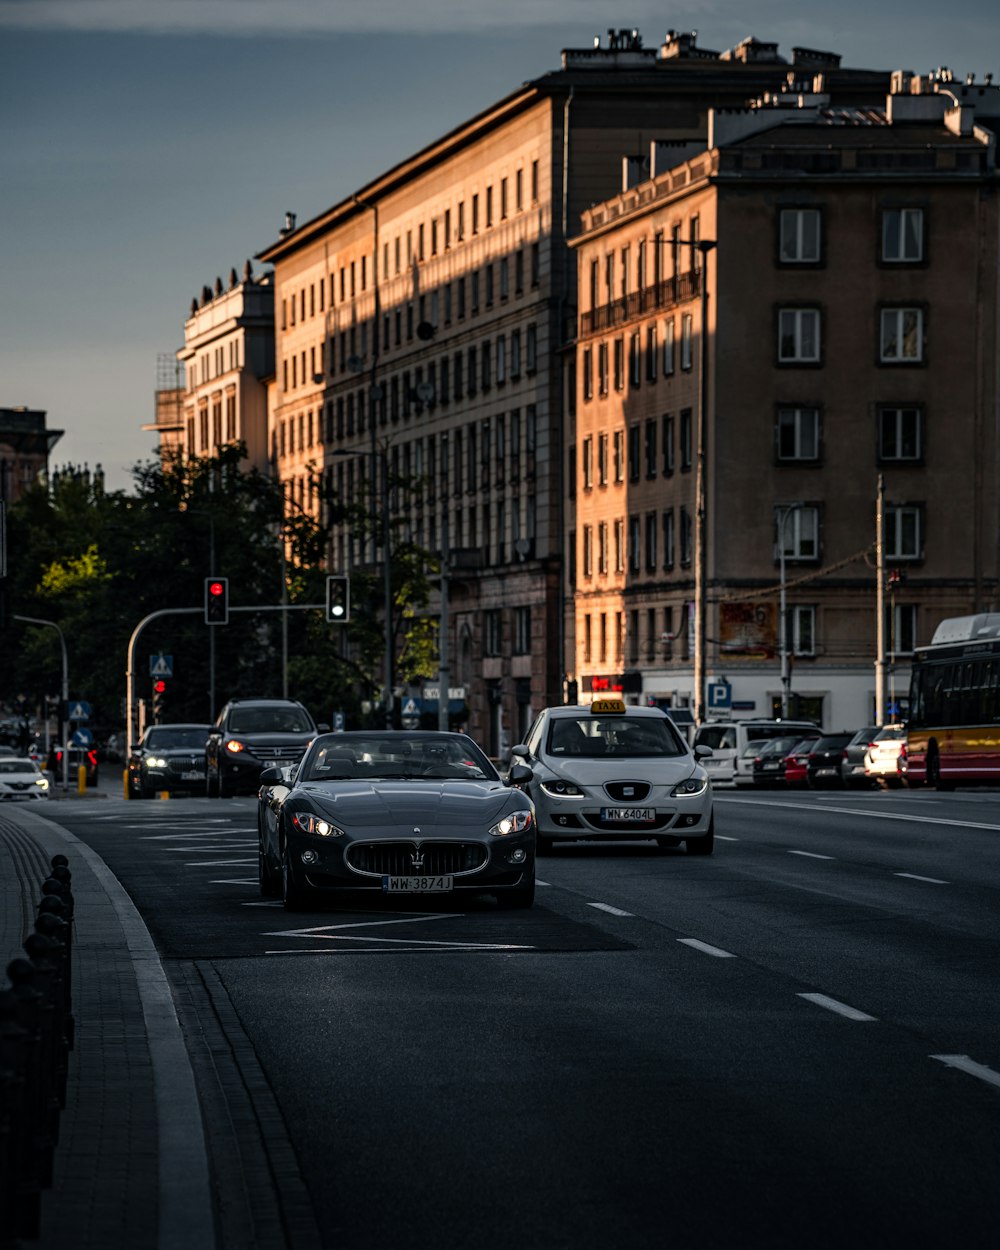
425	322
25	444
228	357
843	303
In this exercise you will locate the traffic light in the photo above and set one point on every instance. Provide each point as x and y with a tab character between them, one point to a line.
159	697
216	600
338	599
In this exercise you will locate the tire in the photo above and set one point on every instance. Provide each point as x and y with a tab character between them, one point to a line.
515	900
664	842
705	845
294	896
543	845
270	885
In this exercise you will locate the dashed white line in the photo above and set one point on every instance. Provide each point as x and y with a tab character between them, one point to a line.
721	837
614	911
706	949
862	811
964	1064
811	855
537	882
219	863
842	1009
914	877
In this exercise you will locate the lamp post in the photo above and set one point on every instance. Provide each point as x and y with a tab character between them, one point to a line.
374	394
211	633
33	620
444	664
784	512
704	246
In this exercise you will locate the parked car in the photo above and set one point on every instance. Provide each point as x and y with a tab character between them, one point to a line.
825	758
769	763
795	769
744	762
882	756
729	739
87	756
852	764
169	757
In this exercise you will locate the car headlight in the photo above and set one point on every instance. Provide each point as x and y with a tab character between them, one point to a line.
42	783
516	822
562	789
234	746
318	826
154	761
690	788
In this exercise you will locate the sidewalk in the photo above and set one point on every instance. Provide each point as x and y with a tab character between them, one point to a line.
131	1171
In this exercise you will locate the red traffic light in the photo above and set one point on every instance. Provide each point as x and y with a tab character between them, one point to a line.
216	588
159	686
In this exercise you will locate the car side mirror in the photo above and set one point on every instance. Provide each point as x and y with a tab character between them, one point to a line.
271	776
521	751
519	775
703	752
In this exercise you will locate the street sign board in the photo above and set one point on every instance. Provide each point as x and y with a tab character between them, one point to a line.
81	738
720	696
454	692
78	709
161	665
411	707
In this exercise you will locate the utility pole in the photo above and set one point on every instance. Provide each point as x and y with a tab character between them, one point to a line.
444	666
704	246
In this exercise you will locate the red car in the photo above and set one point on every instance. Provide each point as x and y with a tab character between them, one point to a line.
797	763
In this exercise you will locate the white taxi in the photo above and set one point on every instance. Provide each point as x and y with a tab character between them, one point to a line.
610	772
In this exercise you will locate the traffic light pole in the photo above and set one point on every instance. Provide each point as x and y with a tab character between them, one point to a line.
130	727
34	620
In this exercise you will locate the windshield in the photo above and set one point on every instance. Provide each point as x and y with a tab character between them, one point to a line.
639	737
397	757
890	731
269	720
17	766
779	746
717	737
174	737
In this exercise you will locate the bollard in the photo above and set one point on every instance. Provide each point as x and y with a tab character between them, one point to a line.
32	1150
13	1112
81	779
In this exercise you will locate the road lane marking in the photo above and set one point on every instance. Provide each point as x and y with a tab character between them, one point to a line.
811	855
706	949
234	881
914	877
854	811
842	1009
614	911
964	1064
721	837
399	950
219	863
537	882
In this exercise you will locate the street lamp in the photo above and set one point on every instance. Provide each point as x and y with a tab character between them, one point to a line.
374	394
784	511
183	507
704	246
34	620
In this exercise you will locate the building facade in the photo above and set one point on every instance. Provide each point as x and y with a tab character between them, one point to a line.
426	324
25	444
843	305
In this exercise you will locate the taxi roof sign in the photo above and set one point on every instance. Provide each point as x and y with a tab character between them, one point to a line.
602	707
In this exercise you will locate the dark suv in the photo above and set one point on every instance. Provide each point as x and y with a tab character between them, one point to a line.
250	735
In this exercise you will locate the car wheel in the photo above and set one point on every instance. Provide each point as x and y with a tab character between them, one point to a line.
665	842
270	886
293	895
522	896
704	845
543	845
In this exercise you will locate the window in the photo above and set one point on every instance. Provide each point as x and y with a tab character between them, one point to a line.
602	368
650	448
515	353
903	236
903	629
668	347
652	524
799	242
619	545
797	532
635	359
531	348
602	459
587	462
687	440
619	455
899	434
634	549
798	434
902	335
619	363
501	359
588	551
902	532
668	539
651	353
668	446
602	548
588	374
800	629
493	632
798	335
522	631
687	327
685	538
633	453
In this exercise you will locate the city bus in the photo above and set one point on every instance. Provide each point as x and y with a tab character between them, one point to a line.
953	730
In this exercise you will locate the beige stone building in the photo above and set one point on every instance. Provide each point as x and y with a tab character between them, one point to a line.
851	303
428	319
228	357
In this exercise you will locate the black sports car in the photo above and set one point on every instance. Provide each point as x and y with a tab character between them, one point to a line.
169	757
397	814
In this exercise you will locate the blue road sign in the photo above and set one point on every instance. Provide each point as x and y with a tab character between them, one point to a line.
81	738
720	696
161	665
79	709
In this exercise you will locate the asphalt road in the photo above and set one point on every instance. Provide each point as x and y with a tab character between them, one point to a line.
794	1043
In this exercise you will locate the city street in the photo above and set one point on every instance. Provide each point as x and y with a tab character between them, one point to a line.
795	1042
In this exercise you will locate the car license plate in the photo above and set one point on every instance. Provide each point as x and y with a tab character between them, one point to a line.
630	815
194	774
826	772
770	767
417	885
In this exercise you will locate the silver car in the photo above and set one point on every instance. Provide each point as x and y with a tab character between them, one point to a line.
616	773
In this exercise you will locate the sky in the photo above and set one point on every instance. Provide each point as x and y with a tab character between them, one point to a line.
149	146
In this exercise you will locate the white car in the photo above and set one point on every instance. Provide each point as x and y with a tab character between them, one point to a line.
616	773
744	762
882	756
22	779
